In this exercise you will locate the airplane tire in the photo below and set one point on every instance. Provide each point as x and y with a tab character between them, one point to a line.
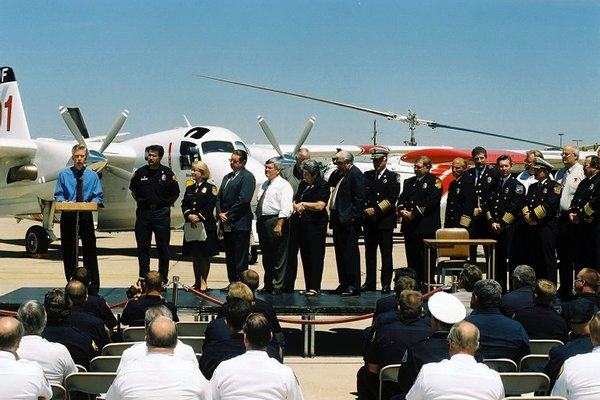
36	240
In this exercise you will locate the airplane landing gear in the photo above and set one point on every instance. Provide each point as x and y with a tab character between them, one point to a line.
36	240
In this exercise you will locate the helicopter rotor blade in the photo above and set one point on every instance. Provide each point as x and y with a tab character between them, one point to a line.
269	134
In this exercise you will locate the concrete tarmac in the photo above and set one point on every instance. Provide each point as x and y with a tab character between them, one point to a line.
320	377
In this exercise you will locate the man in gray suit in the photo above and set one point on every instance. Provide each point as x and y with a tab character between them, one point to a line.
235	214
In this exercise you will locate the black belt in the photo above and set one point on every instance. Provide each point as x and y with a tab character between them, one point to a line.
268	216
151	206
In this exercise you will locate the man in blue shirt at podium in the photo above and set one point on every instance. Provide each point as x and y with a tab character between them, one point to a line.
79	184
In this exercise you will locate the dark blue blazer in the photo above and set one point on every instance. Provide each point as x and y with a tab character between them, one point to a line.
234	199
350	198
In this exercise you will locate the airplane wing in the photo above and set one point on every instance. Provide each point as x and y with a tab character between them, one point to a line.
16	148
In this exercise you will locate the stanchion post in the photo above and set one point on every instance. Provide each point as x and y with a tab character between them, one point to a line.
175	287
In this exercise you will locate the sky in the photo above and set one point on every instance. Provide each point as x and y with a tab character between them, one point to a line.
523	68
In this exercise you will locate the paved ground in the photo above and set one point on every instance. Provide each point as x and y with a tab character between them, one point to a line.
320	377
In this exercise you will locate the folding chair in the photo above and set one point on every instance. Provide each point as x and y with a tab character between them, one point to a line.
134	334
451	258
105	364
533	363
518	383
501	364
116	349
89	382
535	398
80	368
195	341
543	346
389	373
58	392
191	328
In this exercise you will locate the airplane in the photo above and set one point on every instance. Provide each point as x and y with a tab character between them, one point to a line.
29	167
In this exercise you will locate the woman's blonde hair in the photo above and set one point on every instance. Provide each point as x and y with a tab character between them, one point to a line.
202	167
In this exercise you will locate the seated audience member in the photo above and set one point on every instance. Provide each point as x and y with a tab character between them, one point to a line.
390	342
148	295
501	337
79	318
541	321
461	375
95	304
80	344
578	316
522	282
579	376
236	311
159	375
254	374
586	285
470	274
403	276
140	350
19	379
54	358
383	318
218	329
445	310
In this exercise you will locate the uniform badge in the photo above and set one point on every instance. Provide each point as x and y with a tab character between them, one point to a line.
489	180
144	178
163	177
519	189
557	189
457	190
424	185
438	183
214	190
546	190
591	187
398	178
203	190
507	190
384	180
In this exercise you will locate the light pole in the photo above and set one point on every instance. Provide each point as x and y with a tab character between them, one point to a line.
560	135
577	141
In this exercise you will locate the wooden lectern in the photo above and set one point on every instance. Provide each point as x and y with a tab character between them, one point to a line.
76	207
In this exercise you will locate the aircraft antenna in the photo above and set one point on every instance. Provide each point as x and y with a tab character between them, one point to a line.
374	137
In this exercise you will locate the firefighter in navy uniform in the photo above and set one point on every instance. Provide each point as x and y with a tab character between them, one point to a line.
154	187
461	198
483	176
419	207
501	211
539	212
382	188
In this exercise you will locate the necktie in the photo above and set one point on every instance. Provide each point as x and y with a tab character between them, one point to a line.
79	190
261	200
563	180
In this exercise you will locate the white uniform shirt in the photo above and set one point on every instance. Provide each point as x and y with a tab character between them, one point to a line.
278	199
54	358
159	376
22	379
571	178
459	378
579	379
254	375
140	350
527	180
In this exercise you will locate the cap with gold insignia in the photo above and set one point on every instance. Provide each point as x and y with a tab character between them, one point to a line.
379	152
543	164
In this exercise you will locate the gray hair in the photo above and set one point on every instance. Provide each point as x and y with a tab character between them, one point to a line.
32	315
311	166
346	155
488	293
161	332
155	312
464	335
525	275
275	161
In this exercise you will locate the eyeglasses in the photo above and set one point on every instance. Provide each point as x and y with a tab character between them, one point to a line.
339	162
418	166
566	154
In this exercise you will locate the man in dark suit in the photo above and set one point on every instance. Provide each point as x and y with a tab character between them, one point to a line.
381	194
419	206
235	214
346	207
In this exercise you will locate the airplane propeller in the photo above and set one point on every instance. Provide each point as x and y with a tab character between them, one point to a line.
286	158
96	159
410	119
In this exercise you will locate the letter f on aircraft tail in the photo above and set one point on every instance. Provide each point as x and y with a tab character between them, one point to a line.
12	116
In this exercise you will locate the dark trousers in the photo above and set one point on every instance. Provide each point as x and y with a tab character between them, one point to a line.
157	222
541	240
347	255
480	230
415	255
382	238
274	250
312	252
237	245
88	242
291	272
504	255
565	247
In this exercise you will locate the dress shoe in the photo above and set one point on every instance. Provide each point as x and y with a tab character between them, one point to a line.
339	290
350	292
386	290
367	288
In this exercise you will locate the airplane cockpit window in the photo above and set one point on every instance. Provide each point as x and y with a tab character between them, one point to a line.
188	153
217	146
241	146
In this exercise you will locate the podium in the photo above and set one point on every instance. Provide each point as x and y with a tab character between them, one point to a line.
76	207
